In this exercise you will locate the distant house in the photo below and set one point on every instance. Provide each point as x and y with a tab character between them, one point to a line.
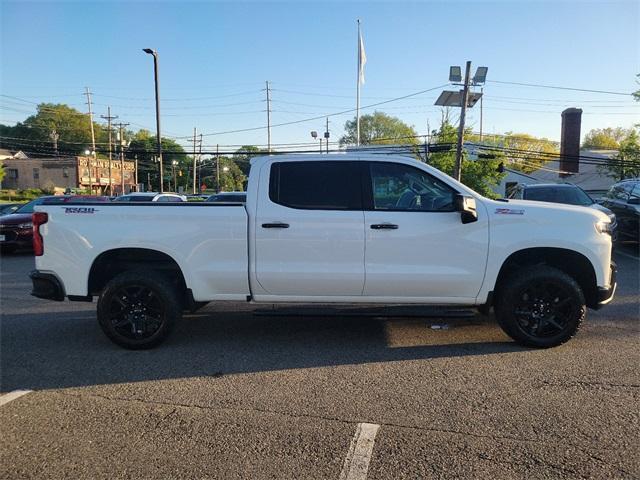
9	155
591	177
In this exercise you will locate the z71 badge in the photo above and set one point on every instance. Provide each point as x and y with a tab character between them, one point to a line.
509	211
80	210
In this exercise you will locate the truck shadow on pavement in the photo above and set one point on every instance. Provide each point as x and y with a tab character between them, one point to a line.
69	350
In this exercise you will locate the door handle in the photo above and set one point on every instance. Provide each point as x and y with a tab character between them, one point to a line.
275	225
384	226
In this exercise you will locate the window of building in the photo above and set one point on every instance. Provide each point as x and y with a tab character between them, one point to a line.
36	173
65	172
12	173
316	185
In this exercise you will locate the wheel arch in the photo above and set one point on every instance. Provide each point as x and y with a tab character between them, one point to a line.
115	261
573	263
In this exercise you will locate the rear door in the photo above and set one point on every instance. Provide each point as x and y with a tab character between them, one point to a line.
416	245
309	230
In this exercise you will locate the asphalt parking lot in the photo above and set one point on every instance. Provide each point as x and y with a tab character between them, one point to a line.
242	391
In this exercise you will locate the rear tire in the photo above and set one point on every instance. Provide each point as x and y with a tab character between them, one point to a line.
138	310
540	306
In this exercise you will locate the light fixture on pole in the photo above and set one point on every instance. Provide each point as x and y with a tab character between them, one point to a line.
173	168
463	99
314	134
159	140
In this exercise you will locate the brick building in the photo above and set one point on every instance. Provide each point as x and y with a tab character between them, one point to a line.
86	173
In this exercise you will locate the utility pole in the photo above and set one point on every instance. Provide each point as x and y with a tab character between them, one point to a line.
327	135
93	136
194	160
136	170
108	117
481	96
122	142
268	118
463	111
54	136
217	169
199	163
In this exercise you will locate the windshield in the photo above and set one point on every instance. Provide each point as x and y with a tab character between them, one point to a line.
28	207
568	195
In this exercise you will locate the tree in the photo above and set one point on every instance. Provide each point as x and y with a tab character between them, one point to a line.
242	157
636	94
605	138
144	146
626	164
480	175
231	176
525	152
33	135
379	128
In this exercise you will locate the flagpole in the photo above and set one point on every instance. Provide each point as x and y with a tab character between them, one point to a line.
358	91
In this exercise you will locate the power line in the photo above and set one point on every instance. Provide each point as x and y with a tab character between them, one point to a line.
537	85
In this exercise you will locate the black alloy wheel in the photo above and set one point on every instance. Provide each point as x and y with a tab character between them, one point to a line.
540	306
137	310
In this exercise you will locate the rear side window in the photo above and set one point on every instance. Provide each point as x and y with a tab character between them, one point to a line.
316	185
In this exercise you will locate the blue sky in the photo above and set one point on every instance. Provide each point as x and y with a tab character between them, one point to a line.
216	56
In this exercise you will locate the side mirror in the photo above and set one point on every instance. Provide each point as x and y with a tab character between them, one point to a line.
467	208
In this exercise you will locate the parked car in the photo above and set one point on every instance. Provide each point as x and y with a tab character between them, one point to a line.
151	197
345	228
567	193
16	230
623	199
8	208
228	197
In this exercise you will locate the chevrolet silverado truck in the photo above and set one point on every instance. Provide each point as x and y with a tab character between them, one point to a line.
346	229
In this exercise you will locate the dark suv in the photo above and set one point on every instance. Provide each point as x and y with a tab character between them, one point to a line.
562	193
623	199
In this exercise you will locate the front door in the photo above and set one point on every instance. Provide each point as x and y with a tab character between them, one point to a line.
310	230
416	245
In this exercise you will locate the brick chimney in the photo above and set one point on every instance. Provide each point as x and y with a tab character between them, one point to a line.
570	141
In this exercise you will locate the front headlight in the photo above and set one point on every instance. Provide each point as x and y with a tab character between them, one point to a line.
25	225
604	227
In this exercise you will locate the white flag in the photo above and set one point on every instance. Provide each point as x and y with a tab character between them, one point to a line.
362	59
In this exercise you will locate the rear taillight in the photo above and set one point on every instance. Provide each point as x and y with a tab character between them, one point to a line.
38	218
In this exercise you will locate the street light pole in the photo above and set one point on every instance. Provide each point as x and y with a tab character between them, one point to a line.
463	111
175	181
159	141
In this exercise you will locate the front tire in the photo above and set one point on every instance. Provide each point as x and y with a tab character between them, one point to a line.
540	306
138	310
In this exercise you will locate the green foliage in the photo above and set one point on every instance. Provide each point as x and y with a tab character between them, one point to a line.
636	94
2	172
606	138
21	195
33	135
527	153
629	153
243	157
231	177
379	128
144	146
480	175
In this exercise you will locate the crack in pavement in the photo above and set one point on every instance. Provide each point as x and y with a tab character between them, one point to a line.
561	440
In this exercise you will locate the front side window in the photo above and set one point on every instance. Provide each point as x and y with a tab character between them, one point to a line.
400	187
316	185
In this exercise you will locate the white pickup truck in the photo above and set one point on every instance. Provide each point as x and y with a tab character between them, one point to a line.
344	228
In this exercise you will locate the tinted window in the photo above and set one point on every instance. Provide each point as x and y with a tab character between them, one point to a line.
568	195
316	185
139	198
617	192
635	193
401	187
28	207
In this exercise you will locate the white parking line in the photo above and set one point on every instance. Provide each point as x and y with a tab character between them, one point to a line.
356	464
8	397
